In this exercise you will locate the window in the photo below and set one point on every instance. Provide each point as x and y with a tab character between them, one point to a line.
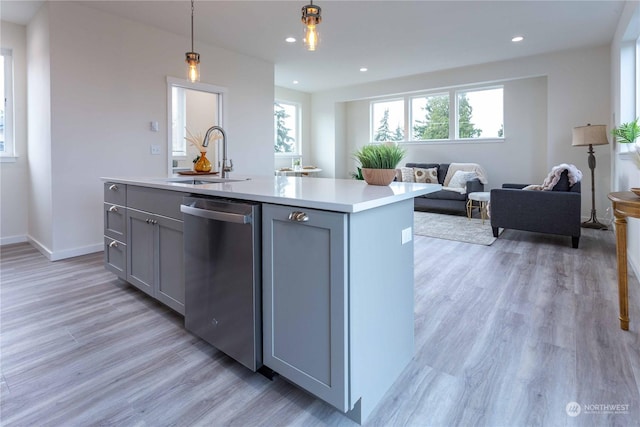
430	117
480	114
387	120
453	115
286	116
6	107
179	125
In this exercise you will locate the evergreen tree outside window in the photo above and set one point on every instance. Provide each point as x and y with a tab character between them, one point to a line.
430	117
387	123
286	126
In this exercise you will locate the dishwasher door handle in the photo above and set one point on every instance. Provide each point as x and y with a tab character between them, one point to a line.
216	215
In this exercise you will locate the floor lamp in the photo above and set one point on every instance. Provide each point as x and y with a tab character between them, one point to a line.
591	135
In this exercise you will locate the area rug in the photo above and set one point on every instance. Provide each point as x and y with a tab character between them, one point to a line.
453	227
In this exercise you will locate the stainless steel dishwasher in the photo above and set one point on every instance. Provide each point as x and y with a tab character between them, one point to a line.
223	276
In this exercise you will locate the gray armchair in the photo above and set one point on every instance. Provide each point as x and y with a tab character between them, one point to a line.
554	212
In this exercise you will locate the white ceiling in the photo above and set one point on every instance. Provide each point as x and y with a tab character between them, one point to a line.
391	38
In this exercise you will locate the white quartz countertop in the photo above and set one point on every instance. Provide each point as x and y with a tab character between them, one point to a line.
340	195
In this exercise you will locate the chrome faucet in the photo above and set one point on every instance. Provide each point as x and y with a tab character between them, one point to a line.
224	168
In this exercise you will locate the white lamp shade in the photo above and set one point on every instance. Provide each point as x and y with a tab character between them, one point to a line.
590	135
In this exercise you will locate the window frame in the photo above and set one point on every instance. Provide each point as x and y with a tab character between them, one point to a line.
8	154
452	93
298	131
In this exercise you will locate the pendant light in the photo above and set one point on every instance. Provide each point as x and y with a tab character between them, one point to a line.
310	18
193	58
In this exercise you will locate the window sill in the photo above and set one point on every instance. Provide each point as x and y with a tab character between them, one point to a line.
8	159
450	141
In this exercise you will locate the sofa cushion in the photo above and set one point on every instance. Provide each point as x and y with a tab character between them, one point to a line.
428	176
562	184
442	168
407	175
446	195
460	178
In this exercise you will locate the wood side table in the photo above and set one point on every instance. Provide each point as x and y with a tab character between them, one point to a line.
625	204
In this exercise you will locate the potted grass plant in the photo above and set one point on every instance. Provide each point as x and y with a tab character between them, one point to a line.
378	162
628	133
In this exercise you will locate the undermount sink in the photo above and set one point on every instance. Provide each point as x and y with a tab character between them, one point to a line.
201	181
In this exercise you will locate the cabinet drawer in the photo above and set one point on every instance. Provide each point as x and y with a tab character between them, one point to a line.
115	257
160	202
115	193
115	225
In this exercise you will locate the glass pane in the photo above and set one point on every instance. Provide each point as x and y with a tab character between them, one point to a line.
480	114
193	111
430	117
387	122
2	104
286	127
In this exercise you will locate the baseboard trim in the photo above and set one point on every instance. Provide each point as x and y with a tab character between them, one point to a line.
9	240
67	253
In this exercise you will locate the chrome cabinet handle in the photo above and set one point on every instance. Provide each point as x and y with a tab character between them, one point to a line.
113	244
113	209
298	216
151	221
113	187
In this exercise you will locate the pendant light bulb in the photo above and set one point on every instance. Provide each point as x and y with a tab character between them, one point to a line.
193	61
311	37
193	58
311	18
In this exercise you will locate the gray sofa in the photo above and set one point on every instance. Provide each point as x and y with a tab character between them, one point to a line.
553	212
444	201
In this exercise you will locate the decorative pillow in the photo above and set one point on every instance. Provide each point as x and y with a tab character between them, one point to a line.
460	178
428	176
407	175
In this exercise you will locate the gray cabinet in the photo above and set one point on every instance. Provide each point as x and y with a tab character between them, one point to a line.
338	301
141	260
155	261
115	229
155	244
304	300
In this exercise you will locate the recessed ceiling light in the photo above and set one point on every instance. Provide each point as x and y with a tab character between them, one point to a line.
290	39
517	39
295	82
363	69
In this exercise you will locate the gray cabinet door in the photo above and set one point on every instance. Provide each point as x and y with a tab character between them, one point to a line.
141	250
305	299
115	257
170	279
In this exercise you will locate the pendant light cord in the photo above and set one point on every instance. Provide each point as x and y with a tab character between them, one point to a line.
191	25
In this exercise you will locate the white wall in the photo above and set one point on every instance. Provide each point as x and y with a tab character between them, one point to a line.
304	99
40	208
14	177
107	82
577	93
625	99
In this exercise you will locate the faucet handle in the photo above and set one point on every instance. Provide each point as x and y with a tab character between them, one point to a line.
229	168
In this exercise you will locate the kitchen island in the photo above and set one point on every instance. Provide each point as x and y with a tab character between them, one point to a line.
337	273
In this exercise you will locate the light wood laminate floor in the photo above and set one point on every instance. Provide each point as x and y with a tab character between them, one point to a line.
506	335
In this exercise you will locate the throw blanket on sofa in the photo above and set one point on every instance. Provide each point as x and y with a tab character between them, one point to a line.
466	167
573	173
